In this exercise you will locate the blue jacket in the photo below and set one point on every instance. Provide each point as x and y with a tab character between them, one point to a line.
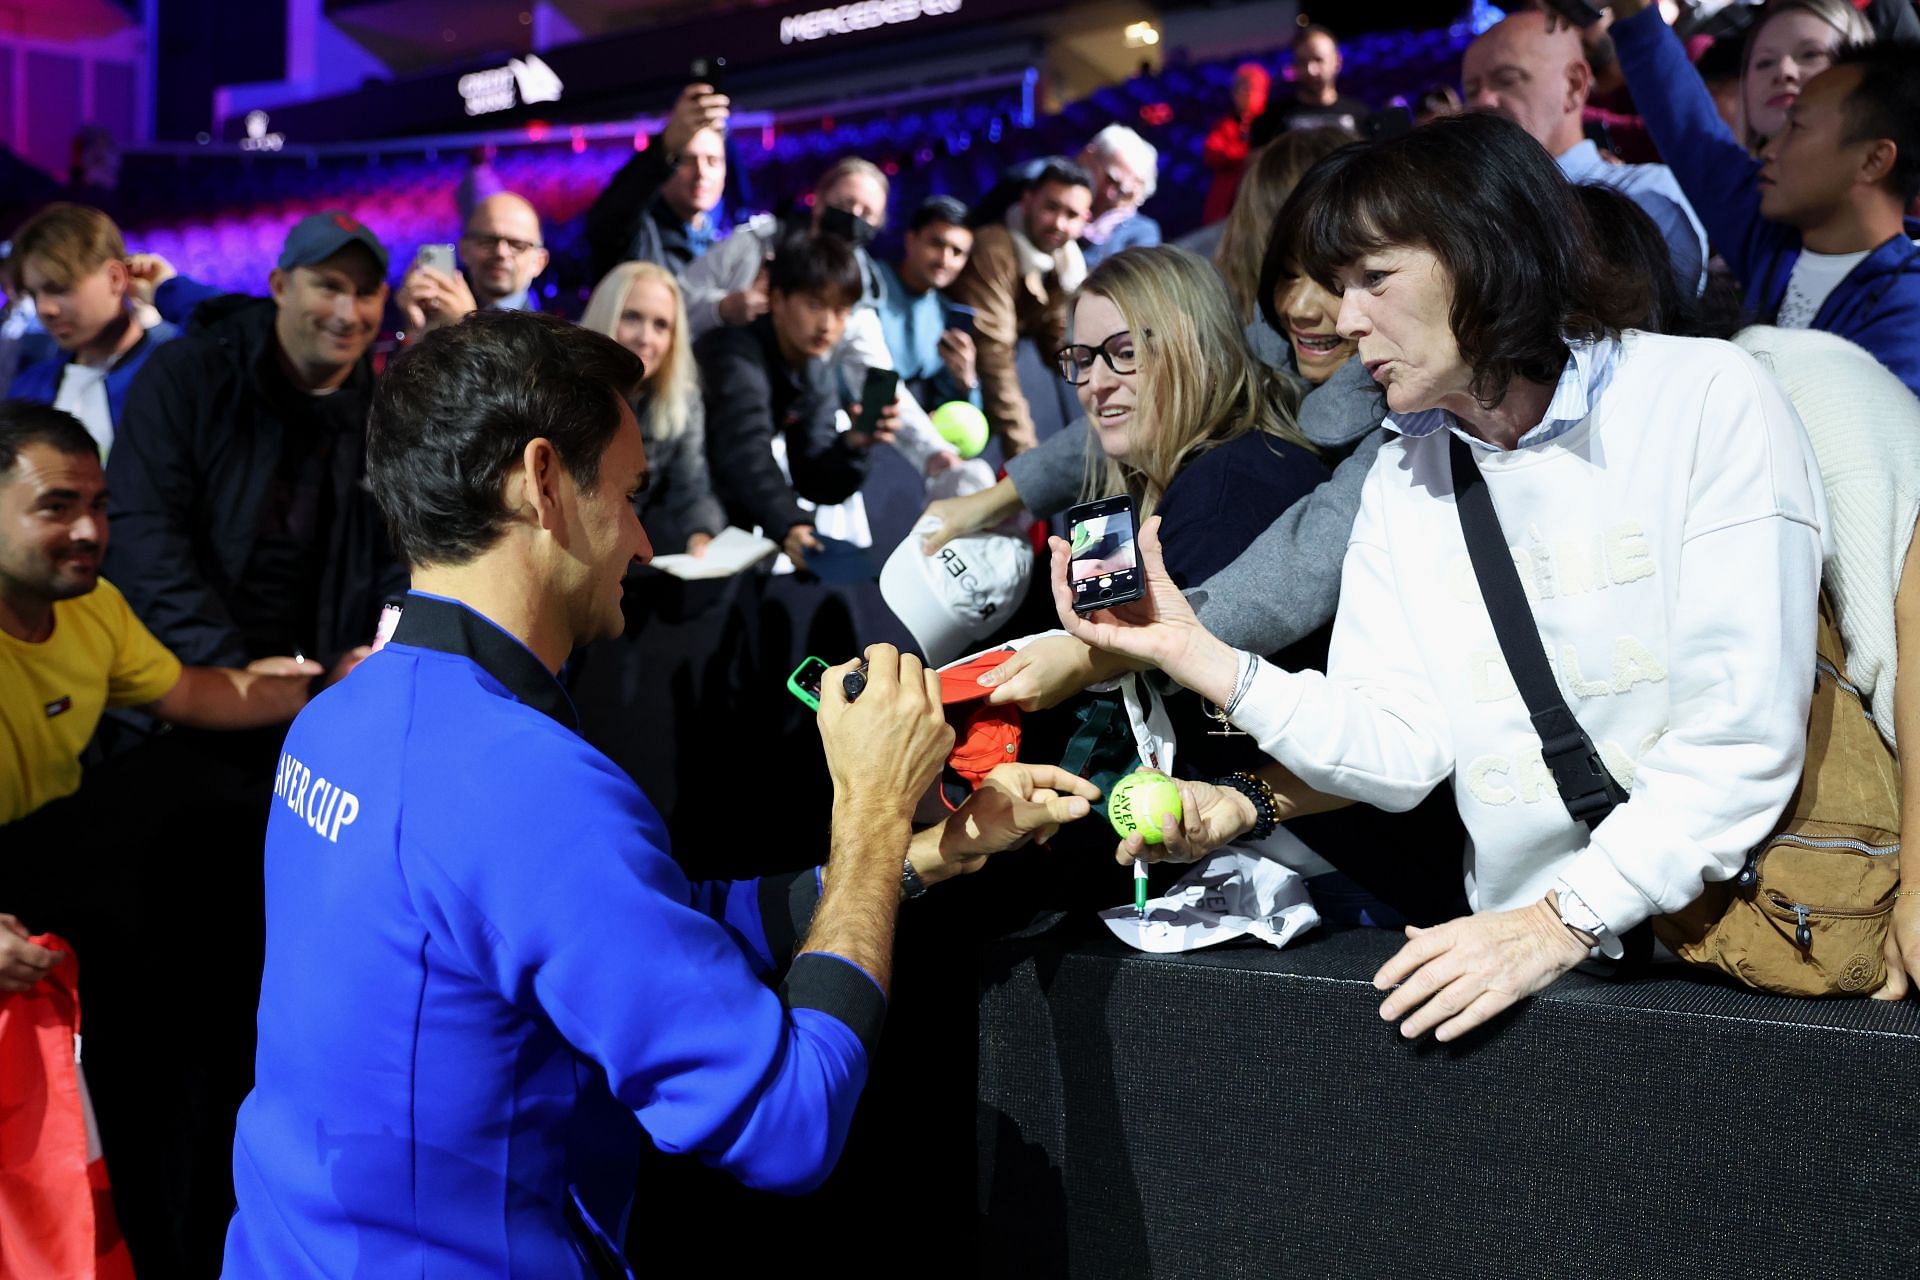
40	383
1878	303
485	976
1137	232
177	299
912	325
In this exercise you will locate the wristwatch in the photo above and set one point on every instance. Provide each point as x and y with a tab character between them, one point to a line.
1581	918
911	885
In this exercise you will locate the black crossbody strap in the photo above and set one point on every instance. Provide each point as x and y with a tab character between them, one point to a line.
1589	791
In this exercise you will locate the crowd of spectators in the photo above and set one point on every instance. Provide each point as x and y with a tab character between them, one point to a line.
1662	292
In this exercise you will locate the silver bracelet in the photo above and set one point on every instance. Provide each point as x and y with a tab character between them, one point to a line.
1249	668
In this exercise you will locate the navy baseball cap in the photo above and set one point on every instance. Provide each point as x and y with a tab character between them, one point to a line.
319	236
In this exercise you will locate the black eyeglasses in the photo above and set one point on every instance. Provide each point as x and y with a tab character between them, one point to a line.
1076	362
512	246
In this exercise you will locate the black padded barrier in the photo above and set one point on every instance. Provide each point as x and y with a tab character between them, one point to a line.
1243	1111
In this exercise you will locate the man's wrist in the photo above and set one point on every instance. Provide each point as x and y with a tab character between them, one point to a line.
1245	816
867	806
923	854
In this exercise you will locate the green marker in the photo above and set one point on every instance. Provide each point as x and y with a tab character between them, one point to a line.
1140	887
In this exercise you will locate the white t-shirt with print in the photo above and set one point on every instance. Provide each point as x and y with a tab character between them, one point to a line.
1815	276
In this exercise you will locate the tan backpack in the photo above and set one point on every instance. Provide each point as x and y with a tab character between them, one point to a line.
1808	913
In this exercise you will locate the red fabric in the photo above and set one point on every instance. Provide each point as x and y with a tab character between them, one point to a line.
962	683
985	736
56	1215
1225	153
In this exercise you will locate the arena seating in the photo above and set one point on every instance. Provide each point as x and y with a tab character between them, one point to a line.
947	145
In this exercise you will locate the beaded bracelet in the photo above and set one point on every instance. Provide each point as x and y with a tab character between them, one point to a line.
1266	805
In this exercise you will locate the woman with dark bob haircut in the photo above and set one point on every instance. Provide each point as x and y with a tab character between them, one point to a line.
1661	505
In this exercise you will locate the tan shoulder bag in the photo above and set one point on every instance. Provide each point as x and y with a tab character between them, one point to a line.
1808	914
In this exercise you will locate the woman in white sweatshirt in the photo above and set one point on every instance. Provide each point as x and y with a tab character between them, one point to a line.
1661	506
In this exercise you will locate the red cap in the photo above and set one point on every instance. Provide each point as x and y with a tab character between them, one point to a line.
987	736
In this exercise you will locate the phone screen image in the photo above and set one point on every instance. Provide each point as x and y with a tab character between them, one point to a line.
1105	565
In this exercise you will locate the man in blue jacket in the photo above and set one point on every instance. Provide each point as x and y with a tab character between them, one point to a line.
72	261
1815	229
486	975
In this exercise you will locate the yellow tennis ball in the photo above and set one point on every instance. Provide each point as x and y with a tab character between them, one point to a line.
1139	801
961	425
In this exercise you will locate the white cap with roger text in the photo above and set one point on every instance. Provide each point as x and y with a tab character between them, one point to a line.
953	598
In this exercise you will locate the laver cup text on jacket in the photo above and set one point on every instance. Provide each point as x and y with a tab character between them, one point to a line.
326	806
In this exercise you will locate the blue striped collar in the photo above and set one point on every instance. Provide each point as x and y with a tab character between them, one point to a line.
1589	370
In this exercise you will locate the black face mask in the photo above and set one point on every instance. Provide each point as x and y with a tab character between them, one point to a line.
842	225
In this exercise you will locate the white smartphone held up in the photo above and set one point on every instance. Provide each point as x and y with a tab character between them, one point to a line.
437	256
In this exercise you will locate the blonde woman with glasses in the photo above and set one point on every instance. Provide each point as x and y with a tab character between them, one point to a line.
1184	419
639	306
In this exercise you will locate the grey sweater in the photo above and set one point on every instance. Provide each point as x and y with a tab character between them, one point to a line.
1286	584
679	498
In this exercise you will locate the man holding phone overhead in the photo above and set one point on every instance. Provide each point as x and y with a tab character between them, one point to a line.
489	983
658	207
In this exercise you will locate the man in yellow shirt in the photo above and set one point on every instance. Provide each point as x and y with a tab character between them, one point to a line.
71	647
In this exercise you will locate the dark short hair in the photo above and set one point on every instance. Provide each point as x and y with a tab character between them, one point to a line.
1059	170
1309	31
1627	239
1278	262
1482	196
938	209
826	266
1722	60
1886	104
23	423
453	413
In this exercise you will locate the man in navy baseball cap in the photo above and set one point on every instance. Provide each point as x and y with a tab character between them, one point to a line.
319	236
331	288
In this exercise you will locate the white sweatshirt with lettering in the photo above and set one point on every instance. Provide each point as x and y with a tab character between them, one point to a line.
1670	546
